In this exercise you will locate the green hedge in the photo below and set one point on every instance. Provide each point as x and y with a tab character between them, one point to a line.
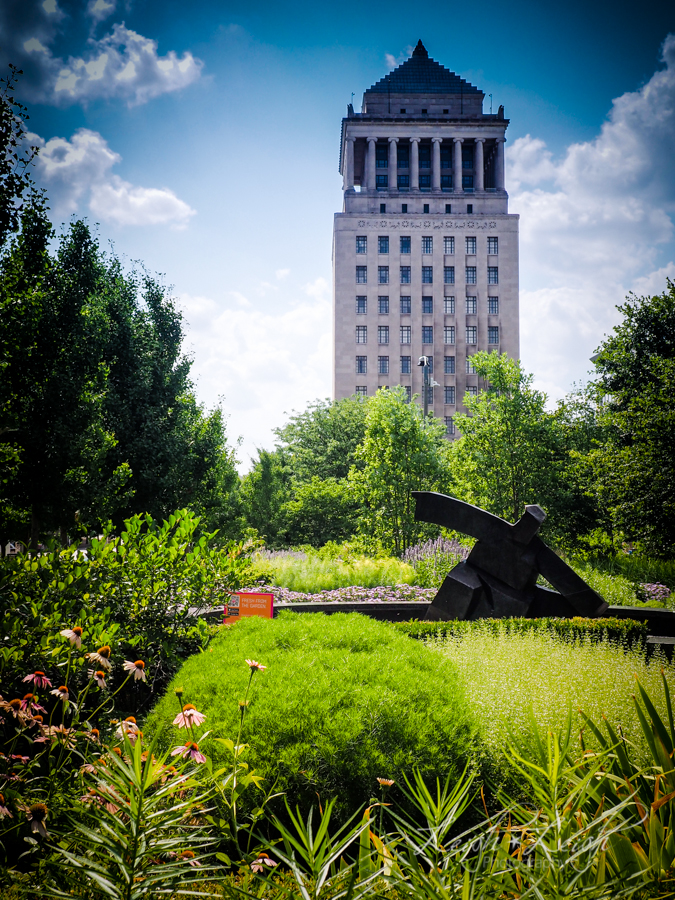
626	631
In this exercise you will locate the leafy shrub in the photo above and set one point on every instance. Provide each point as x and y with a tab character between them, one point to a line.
638	569
314	573
627	631
344	700
614	588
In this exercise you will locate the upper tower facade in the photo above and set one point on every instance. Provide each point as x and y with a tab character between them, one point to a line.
425	253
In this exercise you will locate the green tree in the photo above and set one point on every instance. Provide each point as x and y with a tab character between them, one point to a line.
401	453
321	510
636	401
16	185
264	490
511	451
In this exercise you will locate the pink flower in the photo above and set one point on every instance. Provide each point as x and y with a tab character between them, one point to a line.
4	811
101	657
98	676
255	666
257	864
37	814
39	680
189	857
190	749
128	727
74	635
138	669
30	704
189	717
61	692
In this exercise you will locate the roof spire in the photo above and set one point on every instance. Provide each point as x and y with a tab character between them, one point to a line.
420	51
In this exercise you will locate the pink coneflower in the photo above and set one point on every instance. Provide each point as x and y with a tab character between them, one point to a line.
61	692
39	680
138	669
190	749
189	857
14	707
98	675
4	811
257	864
63	734
20	759
255	666
101	657
30	704
189	717
128	727
385	782
74	635
37	814
93	735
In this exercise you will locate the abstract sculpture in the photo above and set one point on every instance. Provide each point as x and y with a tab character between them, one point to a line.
499	577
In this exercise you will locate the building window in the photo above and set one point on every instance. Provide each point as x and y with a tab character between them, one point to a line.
361	390
493	334
402	110
403	155
493	246
361	334
406	365
472	390
427	305
446	182
361	244
449	246
448	274
405	241
467	182
404	209
470	274
449	365
427	245
449	306
382	334
403	182
408	392
427	274
471	306
361	306
382	244
467	156
425	154
470	368
425	208
362	274
493	274
405	274
427	334
446	153
382	365
383	306
405	306
449	334
405	334
430	395
470	246
381	182
449	394
381	155
493	306
469	207
383	208
425	185
383	274
430	363
448	208
449	425
361	365
471	334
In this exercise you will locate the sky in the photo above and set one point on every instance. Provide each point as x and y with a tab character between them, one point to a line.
202	140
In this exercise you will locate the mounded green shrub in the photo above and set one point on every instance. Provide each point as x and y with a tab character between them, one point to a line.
343	700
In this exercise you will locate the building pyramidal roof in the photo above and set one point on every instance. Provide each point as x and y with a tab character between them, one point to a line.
422	75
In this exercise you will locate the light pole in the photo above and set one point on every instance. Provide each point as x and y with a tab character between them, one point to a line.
427	382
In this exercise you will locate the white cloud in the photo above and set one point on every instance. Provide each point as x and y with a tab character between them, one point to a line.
282	273
592	226
262	364
121	65
80	167
392	61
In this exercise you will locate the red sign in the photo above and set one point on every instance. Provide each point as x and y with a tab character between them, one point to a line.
244	603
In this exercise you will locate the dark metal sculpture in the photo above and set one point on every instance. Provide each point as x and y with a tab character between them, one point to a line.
499	577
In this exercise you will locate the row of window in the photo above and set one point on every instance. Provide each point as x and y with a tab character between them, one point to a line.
405	334
403	182
406	365
427	306
427	244
470	274
425	208
423	155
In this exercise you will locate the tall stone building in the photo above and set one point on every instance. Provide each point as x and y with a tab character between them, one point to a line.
425	252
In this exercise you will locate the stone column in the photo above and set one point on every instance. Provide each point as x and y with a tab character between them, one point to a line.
370	163
499	165
436	164
457	166
393	164
348	183
479	174
414	164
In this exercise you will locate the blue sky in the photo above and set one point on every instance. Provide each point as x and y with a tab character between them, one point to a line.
203	139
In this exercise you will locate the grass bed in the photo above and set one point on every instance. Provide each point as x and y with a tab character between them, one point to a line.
344	700
311	574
